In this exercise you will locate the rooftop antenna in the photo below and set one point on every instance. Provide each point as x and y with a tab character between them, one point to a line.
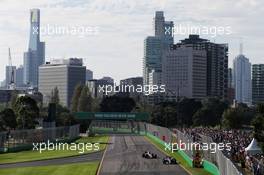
241	47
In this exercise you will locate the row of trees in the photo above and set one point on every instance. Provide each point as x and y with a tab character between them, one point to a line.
189	112
82	101
20	113
210	112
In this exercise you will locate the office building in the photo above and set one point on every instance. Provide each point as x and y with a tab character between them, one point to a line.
155	78
155	45
3	84
152	57
89	75
10	75
230	77
184	72
258	83
19	76
217	64
242	79
132	82
110	80
230	87
63	74
35	56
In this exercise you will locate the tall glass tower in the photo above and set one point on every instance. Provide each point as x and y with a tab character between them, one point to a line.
35	56
242	79
155	45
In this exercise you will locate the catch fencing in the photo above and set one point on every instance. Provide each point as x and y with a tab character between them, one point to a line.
23	138
224	164
183	138
161	132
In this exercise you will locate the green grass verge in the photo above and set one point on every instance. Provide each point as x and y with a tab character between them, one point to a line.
36	155
69	169
184	163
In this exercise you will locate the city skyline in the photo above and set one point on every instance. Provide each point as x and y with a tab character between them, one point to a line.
127	27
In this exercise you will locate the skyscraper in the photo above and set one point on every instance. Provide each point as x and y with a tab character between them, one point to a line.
135	82
9	70
217	64
258	83
152	57
89	75
19	76
63	74
155	45
108	79
184	72
230	87
230	82
35	56
242	79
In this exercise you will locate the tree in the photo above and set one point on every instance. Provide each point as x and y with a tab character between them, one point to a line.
95	105
117	104
203	117
142	106
217	107
260	108
165	114
13	99
186	109
238	116
232	118
66	119
26	110
75	97
60	112
258	123
8	118
85	100
55	96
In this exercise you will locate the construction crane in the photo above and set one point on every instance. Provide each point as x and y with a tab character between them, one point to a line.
11	84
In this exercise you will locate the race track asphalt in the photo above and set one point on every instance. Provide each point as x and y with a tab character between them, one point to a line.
124	157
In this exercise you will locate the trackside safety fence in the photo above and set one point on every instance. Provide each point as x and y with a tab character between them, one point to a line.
225	165
21	139
165	135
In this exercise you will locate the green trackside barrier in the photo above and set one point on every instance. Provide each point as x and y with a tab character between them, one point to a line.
208	166
183	155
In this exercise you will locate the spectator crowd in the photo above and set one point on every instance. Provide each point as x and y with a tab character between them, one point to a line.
239	140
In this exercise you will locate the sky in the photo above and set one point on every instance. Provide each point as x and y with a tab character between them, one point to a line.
112	44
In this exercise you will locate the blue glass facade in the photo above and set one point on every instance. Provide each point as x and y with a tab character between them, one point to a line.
35	56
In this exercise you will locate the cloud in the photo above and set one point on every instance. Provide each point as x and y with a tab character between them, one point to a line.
117	50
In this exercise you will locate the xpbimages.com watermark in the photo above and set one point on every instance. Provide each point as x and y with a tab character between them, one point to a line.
145	89
59	30
186	29
56	146
195	146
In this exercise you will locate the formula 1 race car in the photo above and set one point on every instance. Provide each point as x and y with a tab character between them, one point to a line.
149	155
169	161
